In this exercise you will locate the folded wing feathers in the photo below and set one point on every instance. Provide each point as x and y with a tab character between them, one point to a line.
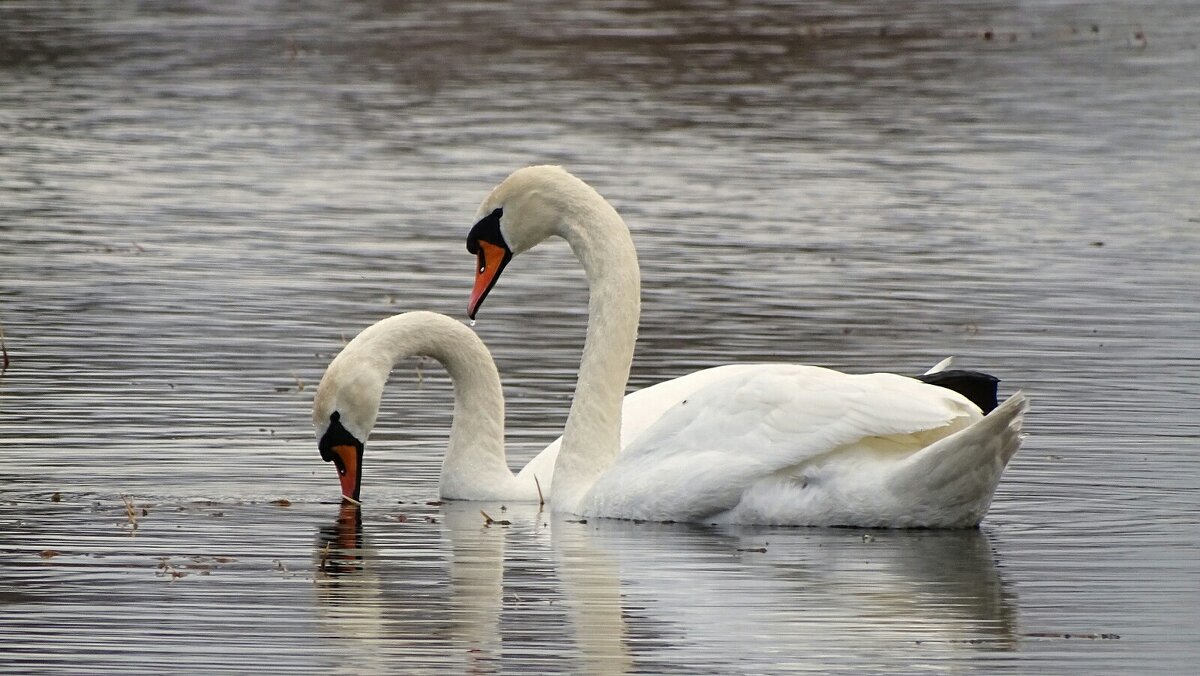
703	453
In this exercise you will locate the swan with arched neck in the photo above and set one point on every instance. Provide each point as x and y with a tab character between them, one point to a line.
757	443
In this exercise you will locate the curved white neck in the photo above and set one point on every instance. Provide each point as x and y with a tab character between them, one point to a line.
592	438
474	467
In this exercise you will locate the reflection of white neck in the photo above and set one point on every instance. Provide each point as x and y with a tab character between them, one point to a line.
476	583
474	467
592	438
591	584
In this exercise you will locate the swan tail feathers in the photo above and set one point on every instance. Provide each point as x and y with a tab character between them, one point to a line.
941	365
957	476
980	388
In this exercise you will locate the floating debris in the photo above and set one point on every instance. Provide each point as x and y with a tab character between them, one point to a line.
199	566
282	502
3	351
49	553
57	497
487	520
1053	634
131	513
165	569
758	550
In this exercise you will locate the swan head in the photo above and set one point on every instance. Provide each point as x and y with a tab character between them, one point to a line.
526	208
344	412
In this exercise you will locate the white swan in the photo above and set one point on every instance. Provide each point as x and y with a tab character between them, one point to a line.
346	407
758	443
347	403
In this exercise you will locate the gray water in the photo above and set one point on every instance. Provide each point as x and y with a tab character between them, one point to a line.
199	202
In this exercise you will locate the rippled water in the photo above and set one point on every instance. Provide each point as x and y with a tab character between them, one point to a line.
200	201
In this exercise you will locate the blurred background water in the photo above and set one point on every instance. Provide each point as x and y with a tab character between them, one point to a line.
200	201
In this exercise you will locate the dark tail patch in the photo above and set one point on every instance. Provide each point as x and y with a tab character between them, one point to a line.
979	387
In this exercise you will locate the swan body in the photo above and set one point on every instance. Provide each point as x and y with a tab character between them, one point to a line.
755	444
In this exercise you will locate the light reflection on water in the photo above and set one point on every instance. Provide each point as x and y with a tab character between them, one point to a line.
198	204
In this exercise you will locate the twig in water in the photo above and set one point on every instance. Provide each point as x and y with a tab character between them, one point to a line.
487	520
541	500
130	511
351	500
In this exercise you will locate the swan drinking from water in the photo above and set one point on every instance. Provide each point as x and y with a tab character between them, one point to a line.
347	404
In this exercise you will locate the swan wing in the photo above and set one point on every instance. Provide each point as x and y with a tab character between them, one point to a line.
639	410
705	452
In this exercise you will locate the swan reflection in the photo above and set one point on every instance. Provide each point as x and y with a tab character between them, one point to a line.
402	599
613	597
812	588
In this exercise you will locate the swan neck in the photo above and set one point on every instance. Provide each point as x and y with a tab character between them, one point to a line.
601	241
474	466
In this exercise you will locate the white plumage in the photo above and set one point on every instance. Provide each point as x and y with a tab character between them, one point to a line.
758	443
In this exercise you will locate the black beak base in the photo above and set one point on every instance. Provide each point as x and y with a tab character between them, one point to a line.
486	230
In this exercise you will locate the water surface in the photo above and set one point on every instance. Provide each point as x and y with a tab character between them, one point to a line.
199	202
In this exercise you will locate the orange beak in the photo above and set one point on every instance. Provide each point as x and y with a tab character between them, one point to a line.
491	260
349	472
